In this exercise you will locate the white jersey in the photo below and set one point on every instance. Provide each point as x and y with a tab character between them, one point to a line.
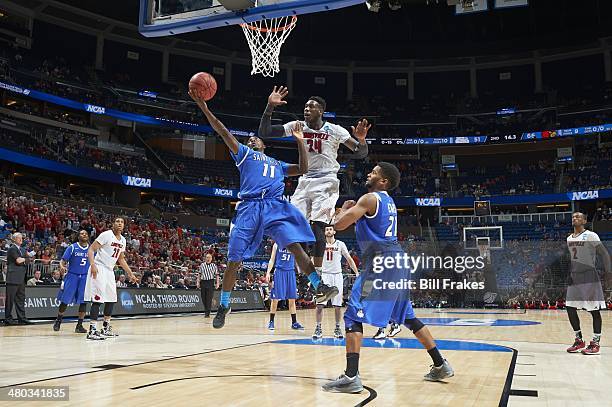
583	249
110	249
322	146
333	257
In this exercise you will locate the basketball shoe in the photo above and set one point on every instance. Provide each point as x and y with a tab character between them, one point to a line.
439	373
297	326
380	334
338	333
79	329
57	324
592	349
318	333
219	320
107	331
324	293
94	335
344	384
395	329
575	348
271	326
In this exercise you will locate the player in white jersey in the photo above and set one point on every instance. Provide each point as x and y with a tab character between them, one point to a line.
331	275
106	251
584	289
318	190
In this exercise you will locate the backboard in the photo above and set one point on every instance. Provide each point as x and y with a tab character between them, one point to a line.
169	17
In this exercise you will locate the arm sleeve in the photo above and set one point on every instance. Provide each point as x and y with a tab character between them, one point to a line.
288	127
68	253
239	157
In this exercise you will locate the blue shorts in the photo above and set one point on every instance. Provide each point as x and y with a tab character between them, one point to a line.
371	301
285	286
276	218
74	289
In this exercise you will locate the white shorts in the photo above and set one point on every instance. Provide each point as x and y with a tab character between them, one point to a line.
103	288
316	198
587	305
334	280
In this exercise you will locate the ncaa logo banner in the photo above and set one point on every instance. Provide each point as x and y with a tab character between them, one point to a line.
583	196
95	109
428	201
136	182
224	192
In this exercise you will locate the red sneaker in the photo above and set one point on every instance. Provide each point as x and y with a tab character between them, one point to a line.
578	344
592	349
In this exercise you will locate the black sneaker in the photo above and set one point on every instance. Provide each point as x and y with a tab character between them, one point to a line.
325	293
219	320
80	329
57	324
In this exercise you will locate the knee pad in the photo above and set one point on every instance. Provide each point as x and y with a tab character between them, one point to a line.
318	228
356	327
414	324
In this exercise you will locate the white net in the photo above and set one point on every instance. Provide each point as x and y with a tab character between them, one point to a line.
265	38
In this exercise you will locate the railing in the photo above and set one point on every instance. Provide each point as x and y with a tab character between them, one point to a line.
494	219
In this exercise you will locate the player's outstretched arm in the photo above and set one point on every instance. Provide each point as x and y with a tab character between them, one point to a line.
228	138
123	264
91	252
359	145
351	212
266	129
302	167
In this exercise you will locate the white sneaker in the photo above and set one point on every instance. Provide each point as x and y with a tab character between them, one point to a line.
380	334
108	332
395	329
94	335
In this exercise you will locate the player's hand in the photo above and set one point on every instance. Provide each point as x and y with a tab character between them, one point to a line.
348	205
298	131
361	131
133	278
94	271
197	97
277	95
62	270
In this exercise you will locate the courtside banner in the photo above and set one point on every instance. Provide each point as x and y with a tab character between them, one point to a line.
478	5
41	302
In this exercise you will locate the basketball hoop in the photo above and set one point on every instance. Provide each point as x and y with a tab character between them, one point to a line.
265	38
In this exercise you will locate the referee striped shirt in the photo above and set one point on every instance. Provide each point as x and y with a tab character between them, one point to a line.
208	271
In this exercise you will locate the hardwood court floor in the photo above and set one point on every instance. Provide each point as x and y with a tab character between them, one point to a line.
183	361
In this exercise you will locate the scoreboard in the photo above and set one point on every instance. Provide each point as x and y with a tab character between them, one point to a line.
497	139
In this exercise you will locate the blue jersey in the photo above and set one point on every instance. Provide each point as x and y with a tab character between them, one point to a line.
380	227
284	260
77	260
260	176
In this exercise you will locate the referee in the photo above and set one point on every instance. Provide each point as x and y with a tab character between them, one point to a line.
209	275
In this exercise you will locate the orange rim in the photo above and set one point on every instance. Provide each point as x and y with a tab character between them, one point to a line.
272	30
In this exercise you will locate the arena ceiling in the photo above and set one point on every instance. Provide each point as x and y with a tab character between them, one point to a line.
419	29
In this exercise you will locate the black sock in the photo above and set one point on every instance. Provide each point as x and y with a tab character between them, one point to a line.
272	317
578	334
436	357
59	317
105	324
352	364
293	318
62	308
80	321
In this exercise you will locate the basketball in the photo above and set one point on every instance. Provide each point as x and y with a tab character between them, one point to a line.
205	84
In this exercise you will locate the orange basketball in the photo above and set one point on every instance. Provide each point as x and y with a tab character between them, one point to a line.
205	84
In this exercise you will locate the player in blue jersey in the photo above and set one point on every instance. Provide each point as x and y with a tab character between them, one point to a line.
379	294
261	210
285	285
72	290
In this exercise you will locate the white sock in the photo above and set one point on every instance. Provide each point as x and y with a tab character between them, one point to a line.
93	325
